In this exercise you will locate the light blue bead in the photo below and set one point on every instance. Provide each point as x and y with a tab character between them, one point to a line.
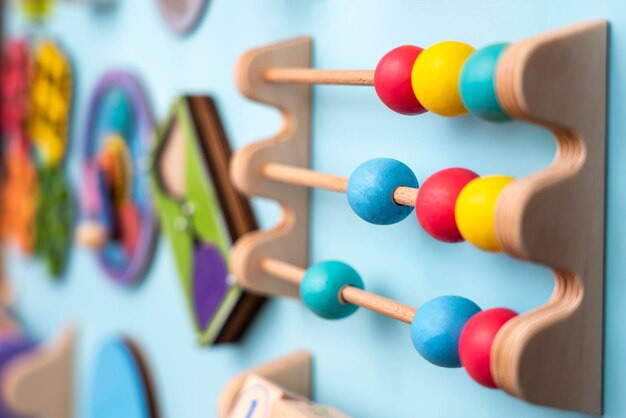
477	83
371	187
321	285
437	326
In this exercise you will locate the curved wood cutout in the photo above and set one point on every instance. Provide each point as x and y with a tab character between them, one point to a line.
291	146
553	355
40	383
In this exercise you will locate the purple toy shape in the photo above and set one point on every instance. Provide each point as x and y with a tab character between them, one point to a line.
210	282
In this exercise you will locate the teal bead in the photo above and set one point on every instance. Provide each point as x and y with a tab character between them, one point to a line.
436	329
371	187
477	84
321	285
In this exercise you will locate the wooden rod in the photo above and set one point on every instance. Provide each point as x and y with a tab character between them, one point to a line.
349	294
378	304
282	270
304	177
405	196
314	76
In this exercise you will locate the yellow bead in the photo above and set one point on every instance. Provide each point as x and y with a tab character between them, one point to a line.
435	77
475	211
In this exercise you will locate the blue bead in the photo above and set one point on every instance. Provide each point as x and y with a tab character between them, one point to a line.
437	326
371	187
477	84
321	285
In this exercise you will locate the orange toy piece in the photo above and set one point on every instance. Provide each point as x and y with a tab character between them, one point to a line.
117	166
19	194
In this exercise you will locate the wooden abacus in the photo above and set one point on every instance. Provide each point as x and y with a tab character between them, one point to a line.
554	217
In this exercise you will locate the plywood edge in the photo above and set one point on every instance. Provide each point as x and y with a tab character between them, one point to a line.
41	382
288	240
553	355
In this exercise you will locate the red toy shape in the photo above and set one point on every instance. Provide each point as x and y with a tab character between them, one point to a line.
436	200
476	341
130	222
392	80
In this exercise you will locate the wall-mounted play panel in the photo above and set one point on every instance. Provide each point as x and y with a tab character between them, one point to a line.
516	280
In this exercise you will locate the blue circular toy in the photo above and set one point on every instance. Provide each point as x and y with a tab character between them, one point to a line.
437	326
477	83
321	285
371	187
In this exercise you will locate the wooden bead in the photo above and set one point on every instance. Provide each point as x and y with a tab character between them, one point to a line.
435	77
392	80
321	286
436	201
476	341
477	84
475	211
437	326
371	187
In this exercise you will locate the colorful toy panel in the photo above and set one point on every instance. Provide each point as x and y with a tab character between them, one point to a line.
121	386
37	132
433	266
19	175
119	216
203	215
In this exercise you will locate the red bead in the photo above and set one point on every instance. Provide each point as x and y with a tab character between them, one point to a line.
476	341
436	200
392	80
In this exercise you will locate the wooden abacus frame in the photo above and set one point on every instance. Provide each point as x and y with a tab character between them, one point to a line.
552	355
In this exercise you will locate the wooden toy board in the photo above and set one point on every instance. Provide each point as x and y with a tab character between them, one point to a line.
203	215
365	365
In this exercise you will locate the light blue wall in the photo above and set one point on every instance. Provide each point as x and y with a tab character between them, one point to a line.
366	364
